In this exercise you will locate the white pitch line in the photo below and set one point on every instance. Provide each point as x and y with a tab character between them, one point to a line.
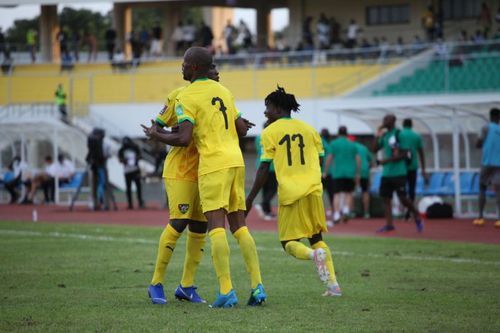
57	234
424	258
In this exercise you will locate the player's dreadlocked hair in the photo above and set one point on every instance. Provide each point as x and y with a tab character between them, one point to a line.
282	99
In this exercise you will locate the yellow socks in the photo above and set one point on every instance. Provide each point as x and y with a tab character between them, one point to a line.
194	251
298	250
329	261
220	258
249	251
166	247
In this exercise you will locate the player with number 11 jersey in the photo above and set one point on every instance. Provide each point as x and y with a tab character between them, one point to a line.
294	147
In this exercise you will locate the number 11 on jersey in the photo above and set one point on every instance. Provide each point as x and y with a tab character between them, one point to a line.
286	139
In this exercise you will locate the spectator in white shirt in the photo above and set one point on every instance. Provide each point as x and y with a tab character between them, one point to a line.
189	33
178	39
15	177
352	34
323	31
62	170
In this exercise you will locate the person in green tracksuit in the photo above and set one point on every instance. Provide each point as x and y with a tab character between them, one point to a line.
346	166
388	138
412	141
366	158
327	181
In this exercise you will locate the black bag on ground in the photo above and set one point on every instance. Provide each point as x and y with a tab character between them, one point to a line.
440	211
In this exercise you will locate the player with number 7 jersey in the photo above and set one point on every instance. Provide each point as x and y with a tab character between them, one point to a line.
210	107
206	113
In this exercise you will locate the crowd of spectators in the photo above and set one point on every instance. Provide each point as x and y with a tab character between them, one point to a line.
20	178
321	33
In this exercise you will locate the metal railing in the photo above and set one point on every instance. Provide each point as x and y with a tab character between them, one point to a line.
450	56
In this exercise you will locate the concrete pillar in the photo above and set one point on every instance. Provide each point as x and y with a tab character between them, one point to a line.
172	14
32	153
296	17
217	18
49	27
122	23
264	31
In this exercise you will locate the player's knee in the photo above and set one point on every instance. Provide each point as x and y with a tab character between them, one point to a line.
236	221
315	238
179	225
198	227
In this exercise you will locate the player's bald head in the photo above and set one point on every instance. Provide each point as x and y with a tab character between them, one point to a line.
198	56
197	63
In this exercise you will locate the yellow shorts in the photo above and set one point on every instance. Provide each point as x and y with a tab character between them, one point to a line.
223	189
302	219
183	200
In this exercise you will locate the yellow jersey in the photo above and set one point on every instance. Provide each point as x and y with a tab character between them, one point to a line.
181	163
295	148
209	106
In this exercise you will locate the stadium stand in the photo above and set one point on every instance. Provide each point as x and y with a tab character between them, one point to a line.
468	69
151	82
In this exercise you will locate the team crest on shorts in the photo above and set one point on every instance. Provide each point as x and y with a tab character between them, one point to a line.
183	208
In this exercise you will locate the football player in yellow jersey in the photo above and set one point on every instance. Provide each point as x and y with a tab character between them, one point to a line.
207	115
296	150
180	174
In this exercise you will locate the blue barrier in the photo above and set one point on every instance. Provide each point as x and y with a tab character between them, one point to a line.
75	181
440	183
375	182
435	184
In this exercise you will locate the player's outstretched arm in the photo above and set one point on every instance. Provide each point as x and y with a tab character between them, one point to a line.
180	138
242	126
260	179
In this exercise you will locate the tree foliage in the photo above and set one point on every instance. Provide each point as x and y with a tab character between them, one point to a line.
72	20
16	34
84	20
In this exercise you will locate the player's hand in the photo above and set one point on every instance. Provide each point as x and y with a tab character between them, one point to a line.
150	132
380	130
174	129
248	123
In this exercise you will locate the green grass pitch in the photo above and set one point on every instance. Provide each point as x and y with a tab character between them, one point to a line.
94	278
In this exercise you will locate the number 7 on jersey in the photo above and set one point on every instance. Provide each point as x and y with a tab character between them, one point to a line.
222	108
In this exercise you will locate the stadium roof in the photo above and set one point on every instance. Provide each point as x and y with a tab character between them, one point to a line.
220	3
457	115
434	112
37	122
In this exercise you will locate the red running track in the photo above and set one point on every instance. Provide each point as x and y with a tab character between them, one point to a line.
448	229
